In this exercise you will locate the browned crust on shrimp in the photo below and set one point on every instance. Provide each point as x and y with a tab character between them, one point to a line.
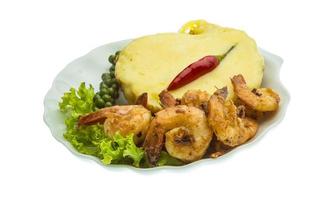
182	129
154	144
167	100
259	99
142	99
231	129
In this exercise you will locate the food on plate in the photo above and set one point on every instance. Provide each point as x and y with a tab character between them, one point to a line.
196	98
229	128
150	63
142	100
217	148
259	99
108	88
182	130
125	120
92	140
191	95
167	99
197	69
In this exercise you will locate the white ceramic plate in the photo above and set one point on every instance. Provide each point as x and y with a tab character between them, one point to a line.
89	69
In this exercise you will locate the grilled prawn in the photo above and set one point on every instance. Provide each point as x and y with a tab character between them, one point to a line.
128	119
260	99
228	127
184	132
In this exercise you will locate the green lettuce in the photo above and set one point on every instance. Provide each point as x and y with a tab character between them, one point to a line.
166	159
86	139
77	102
92	140
121	150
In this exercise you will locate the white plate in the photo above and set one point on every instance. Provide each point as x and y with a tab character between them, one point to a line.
89	69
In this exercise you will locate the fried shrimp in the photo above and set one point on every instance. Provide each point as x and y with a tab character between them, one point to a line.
196	98
167	99
261	99
244	110
182	129
128	119
228	127
218	148
142	100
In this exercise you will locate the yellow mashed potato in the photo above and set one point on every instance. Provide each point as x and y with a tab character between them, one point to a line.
150	63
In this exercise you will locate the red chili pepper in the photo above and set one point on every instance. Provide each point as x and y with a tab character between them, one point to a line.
196	70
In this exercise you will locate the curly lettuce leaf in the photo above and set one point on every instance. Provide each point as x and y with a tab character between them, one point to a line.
77	102
133	152
91	140
121	150
86	140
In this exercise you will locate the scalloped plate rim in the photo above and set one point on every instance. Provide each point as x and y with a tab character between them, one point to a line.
281	112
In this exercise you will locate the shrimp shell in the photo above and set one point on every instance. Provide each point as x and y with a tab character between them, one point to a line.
128	119
260	99
228	127
182	129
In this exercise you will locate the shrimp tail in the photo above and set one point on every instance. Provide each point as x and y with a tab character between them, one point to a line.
167	100
238	80
223	92
153	145
142	100
93	118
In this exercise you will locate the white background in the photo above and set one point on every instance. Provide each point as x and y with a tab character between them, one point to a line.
38	38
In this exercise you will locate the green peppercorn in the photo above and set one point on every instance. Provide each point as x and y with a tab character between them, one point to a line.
117	55
111	59
109	82
102	85
114	86
97	96
108	104
111	91
100	103
108	76
104	91
112	82
112	74
108	87
106	97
